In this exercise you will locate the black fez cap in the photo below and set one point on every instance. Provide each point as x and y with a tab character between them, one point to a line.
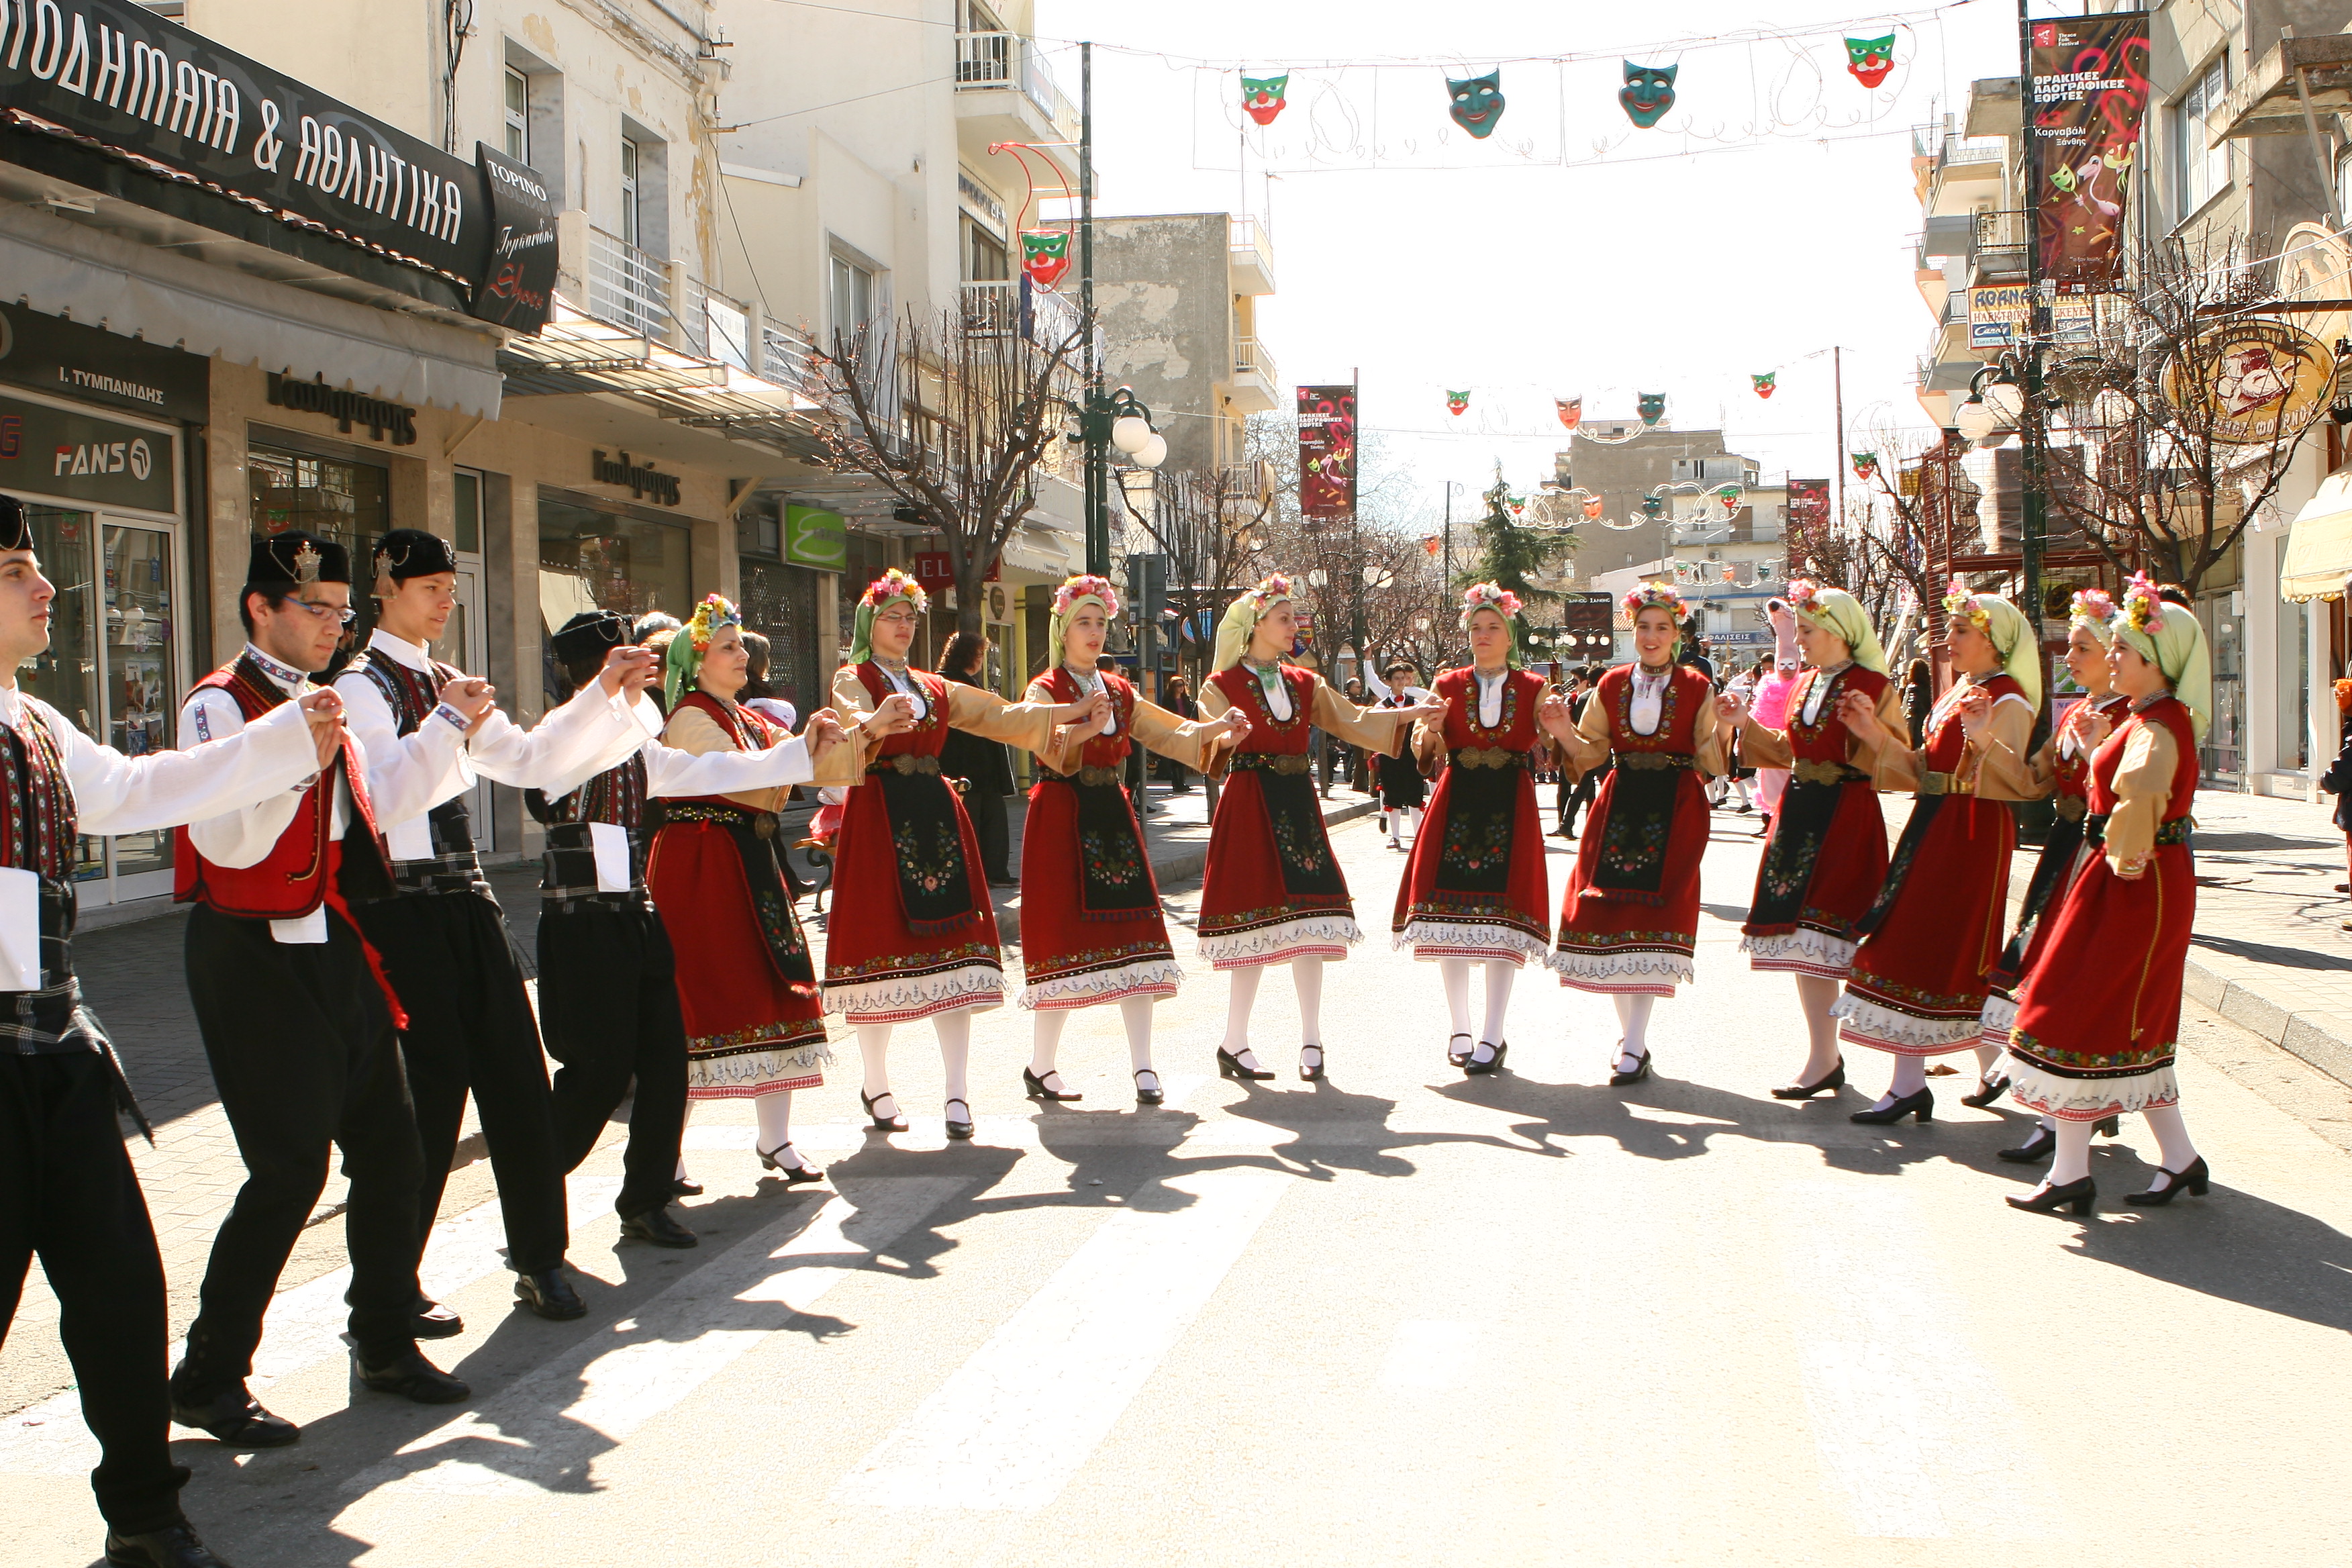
293	558
590	633
406	553
15	526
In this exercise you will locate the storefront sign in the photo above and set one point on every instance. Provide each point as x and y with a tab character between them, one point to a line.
2252	382
2090	92
154	92
519	278
66	359
384	421
53	451
935	569
641	478
1998	313
1327	452
815	538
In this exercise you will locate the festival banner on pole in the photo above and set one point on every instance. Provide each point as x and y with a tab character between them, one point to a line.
1327	452
2090	93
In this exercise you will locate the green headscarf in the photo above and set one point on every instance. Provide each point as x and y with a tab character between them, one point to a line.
2012	639
1240	624
883	591
1837	611
682	665
2169	638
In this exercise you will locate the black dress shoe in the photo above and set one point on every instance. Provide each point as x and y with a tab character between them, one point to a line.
891	1123
410	1376
550	1294
1832	1080
794	1174
2196	1178
682	1188
1230	1066
234	1420
1988	1093
2081	1196
1620	1079
961	1131
2037	1147
1455	1059
1921	1105
657	1226
434	1321
1155	1095
1473	1068
1036	1088
173	1546
1306	1072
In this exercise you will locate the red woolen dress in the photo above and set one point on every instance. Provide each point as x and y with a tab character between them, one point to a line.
2062	769
1475	885
1629	923
1272	890
2099	1020
1091	929
754	1019
912	930
1827	856
1931	938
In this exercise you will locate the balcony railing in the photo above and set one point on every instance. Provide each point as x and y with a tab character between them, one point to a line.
627	287
994	309
1008	61
1250	358
1250	244
789	359
2002	231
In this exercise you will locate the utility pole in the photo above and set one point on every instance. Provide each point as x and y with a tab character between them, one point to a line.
1355	527
2033	501
1097	428
1837	383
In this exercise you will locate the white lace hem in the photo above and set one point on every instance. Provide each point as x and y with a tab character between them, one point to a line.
750	1073
895	999
1432	939
1999	1017
1881	1028
1147	976
1310	936
1631	974
1801	952
2089	1099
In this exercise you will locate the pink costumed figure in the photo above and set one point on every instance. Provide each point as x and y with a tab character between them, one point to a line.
1770	703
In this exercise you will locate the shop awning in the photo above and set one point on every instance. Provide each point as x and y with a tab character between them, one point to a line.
2319	557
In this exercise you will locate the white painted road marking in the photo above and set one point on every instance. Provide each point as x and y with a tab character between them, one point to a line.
1430	1354
1015	1422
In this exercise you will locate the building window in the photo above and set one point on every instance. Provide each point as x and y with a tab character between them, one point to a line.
853	296
985	259
2204	171
629	214
518	116
347	502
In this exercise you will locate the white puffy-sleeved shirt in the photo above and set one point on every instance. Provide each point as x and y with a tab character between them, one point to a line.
578	741
673	772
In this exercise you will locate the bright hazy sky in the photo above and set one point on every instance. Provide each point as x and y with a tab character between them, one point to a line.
1519	278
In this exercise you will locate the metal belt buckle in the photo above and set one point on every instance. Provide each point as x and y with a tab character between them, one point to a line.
763	823
2073	808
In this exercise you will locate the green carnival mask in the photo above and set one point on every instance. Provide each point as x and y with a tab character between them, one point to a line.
1870	58
1652	406
1261	96
1648	93
1477	102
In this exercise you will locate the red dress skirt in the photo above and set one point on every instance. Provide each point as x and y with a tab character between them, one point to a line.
922	869
1091	929
1930	939
1826	857
2098	1021
754	1018
1629	922
1475	885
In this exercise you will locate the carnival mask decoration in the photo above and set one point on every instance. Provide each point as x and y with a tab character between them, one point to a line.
1475	102
1593	508
1653	406
1870	58
1864	464
1767	382
1262	97
1571	411
1458	403
1648	92
1044	255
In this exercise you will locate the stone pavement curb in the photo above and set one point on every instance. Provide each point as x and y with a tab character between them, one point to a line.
2325	1043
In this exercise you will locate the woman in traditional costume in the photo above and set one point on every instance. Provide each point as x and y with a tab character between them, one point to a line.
1091	929
1826	857
913	933
1629	923
2061	768
1476	890
754	1018
2099	1020
1930	939
1403	794
1273	892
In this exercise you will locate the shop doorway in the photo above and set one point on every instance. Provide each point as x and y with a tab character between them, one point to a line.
464	643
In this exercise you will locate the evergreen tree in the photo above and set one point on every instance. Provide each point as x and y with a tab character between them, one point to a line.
1512	555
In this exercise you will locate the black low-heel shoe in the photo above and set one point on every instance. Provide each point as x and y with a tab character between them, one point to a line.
963	1130
2081	1196
880	1124
1988	1093
1921	1104
1230	1066
2109	1126
1832	1080
794	1175
1155	1095
2037	1147
1620	1079
1309	1074
1037	1089
1473	1068
2196	1179
1455	1059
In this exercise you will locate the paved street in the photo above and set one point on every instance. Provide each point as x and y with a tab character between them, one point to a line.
1397	1316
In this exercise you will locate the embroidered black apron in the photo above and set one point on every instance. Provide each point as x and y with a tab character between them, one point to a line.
1631	868
1482	811
1808	806
753	834
926	825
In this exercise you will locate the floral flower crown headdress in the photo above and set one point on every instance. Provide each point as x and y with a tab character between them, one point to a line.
1272	588
1488	596
1961	607
1087	587
1803	596
1655	596
895	584
2144	608
710	615
2091	607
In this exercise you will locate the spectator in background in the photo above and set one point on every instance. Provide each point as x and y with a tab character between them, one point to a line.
985	766
1919	701
654	631
1590	785
1351	766
2337	781
1179	701
757	694
1695	655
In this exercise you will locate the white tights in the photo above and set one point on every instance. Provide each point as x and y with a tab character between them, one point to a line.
1307	975
2175	1152
1045	1036
954	1030
1500	976
1633	1019
1817	995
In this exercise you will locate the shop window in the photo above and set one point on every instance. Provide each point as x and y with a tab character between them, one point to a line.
66	676
590	559
779	603
469	519
345	501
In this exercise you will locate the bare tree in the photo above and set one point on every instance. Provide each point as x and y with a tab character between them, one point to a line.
954	413
1212	524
